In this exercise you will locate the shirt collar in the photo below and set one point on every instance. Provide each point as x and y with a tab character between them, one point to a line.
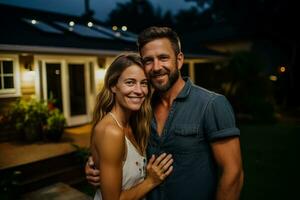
182	94
186	89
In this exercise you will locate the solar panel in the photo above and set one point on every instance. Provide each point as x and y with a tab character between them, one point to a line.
84	30
42	26
116	34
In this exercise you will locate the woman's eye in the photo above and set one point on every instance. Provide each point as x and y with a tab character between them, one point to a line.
129	83
145	84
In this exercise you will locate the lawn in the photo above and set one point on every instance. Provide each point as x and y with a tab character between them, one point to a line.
270	159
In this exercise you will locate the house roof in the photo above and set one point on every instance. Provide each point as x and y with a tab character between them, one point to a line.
30	30
35	30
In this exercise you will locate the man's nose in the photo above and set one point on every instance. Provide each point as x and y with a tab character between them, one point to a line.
156	65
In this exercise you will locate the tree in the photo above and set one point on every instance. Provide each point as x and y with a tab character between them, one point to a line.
192	19
138	15
247	86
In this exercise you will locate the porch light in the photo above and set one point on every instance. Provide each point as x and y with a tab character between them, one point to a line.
28	78
114	28
28	66
90	24
124	28
273	78
33	21
282	69
71	23
100	73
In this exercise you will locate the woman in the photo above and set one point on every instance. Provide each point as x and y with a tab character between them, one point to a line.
121	127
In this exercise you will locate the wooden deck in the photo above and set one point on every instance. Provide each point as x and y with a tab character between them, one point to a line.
46	170
16	153
58	191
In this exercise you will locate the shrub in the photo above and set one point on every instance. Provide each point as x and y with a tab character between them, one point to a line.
32	119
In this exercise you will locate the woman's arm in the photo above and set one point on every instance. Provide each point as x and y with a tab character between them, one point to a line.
110	146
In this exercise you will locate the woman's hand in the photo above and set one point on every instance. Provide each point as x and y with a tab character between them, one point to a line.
159	168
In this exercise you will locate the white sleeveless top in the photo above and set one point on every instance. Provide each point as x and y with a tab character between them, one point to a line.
134	168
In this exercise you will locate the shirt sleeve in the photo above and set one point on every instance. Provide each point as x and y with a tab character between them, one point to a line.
219	119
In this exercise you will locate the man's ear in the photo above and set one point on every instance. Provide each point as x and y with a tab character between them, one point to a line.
180	59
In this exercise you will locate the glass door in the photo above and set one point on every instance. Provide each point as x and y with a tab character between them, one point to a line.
54	84
77	93
67	80
77	89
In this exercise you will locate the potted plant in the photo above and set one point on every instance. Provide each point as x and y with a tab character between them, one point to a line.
28	118
35	118
55	125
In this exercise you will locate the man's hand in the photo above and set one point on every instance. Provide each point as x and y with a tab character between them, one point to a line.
92	174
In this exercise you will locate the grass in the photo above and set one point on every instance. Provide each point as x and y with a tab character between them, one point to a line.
271	164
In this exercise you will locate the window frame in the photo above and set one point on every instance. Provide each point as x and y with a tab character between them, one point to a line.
11	92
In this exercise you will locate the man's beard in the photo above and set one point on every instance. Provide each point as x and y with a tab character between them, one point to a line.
172	78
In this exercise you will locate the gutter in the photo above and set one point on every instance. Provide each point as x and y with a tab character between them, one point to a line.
59	50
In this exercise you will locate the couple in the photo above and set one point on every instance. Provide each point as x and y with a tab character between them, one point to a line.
191	141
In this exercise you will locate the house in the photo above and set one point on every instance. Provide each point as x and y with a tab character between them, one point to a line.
54	56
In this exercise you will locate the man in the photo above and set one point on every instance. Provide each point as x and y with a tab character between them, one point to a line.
195	125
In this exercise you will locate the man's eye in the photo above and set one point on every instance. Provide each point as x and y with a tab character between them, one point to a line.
146	62
164	58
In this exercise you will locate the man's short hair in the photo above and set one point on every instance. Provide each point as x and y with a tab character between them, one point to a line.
154	32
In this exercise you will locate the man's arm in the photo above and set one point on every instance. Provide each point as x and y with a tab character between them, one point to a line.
227	154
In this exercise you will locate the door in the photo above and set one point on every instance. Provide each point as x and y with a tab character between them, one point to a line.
68	83
77	93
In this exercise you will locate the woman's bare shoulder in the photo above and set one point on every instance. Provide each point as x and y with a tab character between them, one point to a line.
108	129
109	140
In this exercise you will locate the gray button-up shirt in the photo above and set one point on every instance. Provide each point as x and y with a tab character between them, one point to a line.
196	118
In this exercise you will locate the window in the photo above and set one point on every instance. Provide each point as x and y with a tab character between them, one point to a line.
8	83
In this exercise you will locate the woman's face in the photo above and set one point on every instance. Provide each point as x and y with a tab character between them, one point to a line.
131	88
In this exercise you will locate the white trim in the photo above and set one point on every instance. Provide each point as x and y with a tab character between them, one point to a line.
41	49
37	78
16	91
64	61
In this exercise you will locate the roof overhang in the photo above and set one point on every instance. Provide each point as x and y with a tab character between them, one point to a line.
56	50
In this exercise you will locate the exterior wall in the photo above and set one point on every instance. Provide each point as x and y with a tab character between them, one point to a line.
29	78
7	99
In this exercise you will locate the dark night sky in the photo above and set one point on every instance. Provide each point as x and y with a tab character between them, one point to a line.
101	7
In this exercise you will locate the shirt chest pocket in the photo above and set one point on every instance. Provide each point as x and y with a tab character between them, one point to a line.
186	138
186	130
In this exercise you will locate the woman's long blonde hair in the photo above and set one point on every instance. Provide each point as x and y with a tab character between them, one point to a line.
139	120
